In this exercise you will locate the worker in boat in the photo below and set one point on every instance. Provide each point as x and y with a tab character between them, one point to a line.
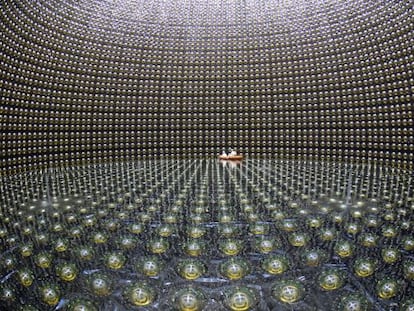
232	152
224	154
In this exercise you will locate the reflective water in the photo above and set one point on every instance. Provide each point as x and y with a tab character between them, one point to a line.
208	235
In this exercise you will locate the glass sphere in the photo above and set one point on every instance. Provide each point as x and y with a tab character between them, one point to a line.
313	257
344	249
231	247
139	294
89	222
57	228
389	231
171	218
265	244
288	291
234	268
407	305
100	284
61	245
150	266
112	225
67	272
76	232
354	302
240	298
405	225
165	230
331	279
278	215
3	233
127	242
327	235
84	253
81	304
43	260
390	255
25	277
7	294
368	240
288	224
364	267
408	243
387	288
408	270
371	221
353	228
8	262
337	218
298	239
228	230
158	246
42	239
189	299
136	228
26	250
28	307
115	261
196	232
194	247
314	222
275	264
191	269
100	238
225	218
50	294
258	228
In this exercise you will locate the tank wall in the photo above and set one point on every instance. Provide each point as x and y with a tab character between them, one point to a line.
97	81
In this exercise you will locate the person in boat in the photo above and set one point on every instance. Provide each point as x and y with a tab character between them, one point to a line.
224	154
232	152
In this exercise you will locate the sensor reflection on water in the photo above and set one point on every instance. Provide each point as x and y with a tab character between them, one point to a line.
202	235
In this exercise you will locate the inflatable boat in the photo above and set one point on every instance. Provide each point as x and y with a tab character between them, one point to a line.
238	157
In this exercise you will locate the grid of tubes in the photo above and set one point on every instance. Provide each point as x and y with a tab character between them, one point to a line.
97	81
